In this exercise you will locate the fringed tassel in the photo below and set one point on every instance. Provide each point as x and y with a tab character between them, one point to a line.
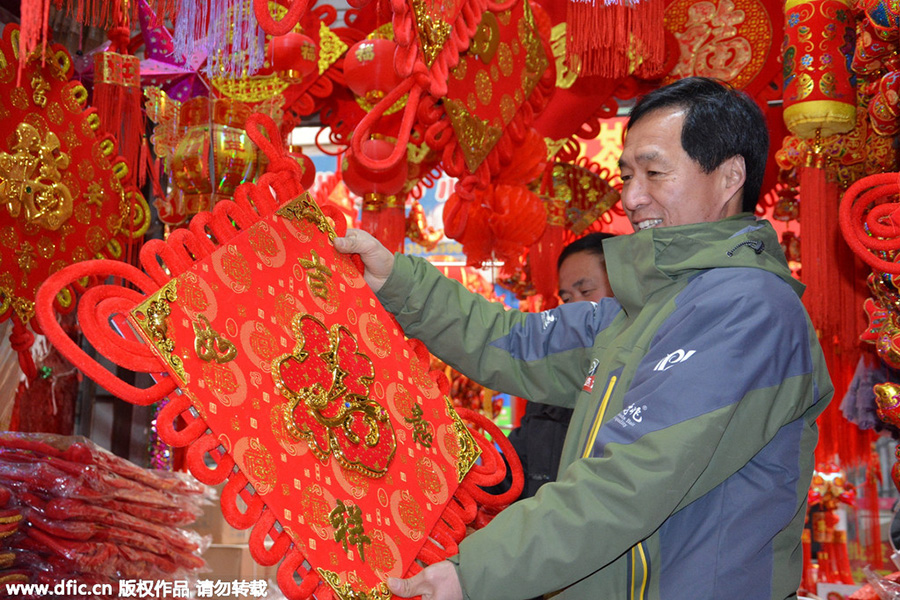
229	33
611	38
836	287
33	31
385	218
191	24
117	98
543	255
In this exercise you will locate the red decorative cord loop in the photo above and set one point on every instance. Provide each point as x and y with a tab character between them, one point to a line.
196	454
869	223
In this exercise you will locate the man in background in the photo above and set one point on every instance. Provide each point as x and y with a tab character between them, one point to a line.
539	438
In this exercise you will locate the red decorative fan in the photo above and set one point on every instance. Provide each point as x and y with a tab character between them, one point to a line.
286	378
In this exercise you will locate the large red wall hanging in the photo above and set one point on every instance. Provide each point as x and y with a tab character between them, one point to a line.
283	371
65	193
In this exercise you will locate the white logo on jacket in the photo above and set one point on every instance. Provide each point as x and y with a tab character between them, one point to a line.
672	359
546	319
631	415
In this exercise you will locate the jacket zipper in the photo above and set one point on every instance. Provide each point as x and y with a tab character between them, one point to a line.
595	428
637	560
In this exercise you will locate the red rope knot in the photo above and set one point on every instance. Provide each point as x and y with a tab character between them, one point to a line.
119	37
21	339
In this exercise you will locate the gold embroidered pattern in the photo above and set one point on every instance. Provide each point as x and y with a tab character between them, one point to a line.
476	136
31	180
331	47
347	522
210	345
423	431
345	591
304	208
151	315
317	276
433	31
468	448
326	382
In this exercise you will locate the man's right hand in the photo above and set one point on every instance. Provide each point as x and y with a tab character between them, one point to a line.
379	261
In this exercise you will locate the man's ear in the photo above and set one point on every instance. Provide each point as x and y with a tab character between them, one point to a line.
735	172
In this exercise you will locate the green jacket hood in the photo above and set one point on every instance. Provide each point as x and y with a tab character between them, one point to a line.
644	262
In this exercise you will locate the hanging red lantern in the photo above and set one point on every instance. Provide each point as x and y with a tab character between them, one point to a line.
292	56
215	154
369	69
819	96
361	180
306	164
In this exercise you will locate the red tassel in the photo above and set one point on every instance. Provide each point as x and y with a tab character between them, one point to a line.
385	218
33	30
836	289
117	98
609	39
543	255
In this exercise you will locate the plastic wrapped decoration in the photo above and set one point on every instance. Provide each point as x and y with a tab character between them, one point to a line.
70	510
287	379
214	154
819	93
66	194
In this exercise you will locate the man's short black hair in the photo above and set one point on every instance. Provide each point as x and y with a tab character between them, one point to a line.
720	122
591	243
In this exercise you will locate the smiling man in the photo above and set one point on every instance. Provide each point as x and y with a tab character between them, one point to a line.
695	390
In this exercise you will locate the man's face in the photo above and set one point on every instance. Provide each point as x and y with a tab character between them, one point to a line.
582	276
662	186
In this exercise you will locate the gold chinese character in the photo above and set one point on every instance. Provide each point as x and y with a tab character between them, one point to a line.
348	527
422	430
317	275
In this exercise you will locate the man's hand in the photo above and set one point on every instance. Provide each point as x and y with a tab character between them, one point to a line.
378	260
436	582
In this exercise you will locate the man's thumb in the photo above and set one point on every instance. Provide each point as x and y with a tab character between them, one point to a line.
399	587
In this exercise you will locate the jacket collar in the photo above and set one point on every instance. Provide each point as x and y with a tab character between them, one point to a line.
642	263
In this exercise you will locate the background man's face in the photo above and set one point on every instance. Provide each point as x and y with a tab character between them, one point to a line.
582	276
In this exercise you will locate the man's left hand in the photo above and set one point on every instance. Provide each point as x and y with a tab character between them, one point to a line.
436	582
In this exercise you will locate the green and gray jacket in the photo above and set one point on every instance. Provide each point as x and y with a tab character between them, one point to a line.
689	456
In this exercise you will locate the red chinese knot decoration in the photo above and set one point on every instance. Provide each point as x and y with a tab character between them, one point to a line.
279	361
66	195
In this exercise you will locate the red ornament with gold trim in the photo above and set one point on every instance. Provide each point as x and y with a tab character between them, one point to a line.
819	96
215	154
292	56
369	69
66	195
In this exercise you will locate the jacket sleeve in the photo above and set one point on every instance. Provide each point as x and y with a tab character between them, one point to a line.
721	379
540	356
